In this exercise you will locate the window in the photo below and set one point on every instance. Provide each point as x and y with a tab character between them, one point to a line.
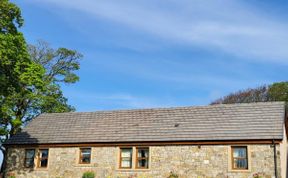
85	156
239	158
134	158
142	158
29	158
43	158
126	158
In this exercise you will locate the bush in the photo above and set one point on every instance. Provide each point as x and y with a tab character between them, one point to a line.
173	175
258	175
88	174
11	175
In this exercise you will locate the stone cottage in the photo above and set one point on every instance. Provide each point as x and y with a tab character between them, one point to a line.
218	141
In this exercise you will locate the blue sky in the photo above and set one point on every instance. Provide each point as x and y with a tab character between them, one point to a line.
161	53
144	53
141	53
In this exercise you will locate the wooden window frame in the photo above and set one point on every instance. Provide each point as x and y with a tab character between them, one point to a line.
120	158
40	158
25	158
80	155
239	158
137	158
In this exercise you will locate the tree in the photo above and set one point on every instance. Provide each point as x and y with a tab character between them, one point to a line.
279	91
18	75
274	92
30	76
59	64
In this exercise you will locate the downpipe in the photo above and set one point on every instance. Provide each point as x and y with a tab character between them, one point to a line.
275	159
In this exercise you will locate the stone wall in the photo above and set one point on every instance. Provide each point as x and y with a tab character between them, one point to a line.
185	161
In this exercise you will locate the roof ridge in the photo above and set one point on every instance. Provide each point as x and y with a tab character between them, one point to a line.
168	108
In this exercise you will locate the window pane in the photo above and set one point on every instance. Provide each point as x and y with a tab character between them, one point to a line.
126	158
43	158
30	153
240	163
142	163
143	153
85	160
44	153
126	163
29	158
86	150
142	157
44	163
239	152
29	162
85	155
126	152
240	158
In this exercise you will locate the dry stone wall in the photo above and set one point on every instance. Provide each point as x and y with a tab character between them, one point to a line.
185	161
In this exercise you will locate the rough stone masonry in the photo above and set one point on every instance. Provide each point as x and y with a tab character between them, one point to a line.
210	161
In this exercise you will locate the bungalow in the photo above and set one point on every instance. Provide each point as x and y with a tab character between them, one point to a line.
218	141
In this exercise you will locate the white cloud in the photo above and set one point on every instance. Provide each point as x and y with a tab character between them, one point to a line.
102	101
227	25
185	75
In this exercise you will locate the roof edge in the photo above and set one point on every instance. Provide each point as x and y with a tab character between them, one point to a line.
177	107
149	143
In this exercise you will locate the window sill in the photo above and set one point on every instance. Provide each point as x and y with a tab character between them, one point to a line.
240	170
41	169
132	170
85	165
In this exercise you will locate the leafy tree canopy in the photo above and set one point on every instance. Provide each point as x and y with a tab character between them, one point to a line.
30	75
59	64
274	92
10	17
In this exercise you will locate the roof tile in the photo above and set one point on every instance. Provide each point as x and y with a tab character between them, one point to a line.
216	122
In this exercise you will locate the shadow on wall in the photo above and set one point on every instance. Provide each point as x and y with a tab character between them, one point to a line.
15	157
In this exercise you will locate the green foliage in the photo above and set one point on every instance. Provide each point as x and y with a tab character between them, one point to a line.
259	94
259	175
11	175
10	17
30	76
88	174
60	64
278	91
19	76
173	175
274	92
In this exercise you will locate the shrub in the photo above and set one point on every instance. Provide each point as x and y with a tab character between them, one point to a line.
88	174
173	175
258	175
11	175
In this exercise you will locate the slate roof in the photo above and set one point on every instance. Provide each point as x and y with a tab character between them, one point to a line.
200	123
